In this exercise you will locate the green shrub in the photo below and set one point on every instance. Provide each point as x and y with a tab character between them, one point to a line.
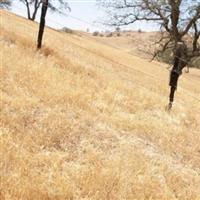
67	30
95	33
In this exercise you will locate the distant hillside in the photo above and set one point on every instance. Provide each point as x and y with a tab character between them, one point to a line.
82	120
135	43
138	43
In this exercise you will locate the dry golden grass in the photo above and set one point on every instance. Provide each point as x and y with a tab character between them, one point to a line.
133	42
142	44
81	120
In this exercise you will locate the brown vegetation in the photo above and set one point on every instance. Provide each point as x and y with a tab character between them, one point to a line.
82	120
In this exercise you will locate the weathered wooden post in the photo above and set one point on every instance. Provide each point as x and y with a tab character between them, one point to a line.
45	4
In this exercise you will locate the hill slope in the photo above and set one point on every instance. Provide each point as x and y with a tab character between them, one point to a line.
132	42
82	120
141	44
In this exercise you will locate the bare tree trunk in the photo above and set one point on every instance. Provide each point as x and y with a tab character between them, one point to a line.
36	7
175	14
42	23
28	9
195	40
34	14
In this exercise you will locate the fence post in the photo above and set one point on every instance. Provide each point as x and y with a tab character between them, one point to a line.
45	4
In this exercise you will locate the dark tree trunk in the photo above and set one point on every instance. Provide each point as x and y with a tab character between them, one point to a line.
175	14
196	38
195	48
36	7
34	15
42	23
28	9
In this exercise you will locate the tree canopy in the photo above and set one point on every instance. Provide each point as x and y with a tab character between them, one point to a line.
176	18
55	6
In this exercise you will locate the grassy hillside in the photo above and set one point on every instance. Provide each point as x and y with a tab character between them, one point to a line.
133	42
81	120
142	44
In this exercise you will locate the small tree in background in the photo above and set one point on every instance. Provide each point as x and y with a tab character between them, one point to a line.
67	30
55	6
95	33
118	29
118	34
